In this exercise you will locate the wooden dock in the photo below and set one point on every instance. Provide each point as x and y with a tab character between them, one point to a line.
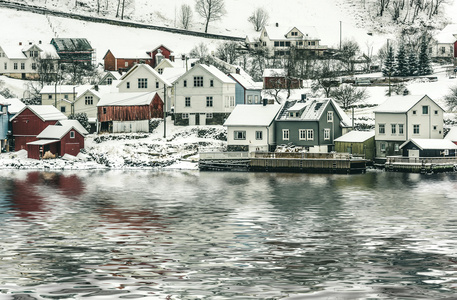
422	165
282	162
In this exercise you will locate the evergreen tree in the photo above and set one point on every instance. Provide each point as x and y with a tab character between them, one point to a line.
401	63
389	63
424	61
413	66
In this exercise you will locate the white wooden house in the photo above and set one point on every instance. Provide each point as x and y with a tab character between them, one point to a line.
203	96
24	61
401	118
251	128
143	78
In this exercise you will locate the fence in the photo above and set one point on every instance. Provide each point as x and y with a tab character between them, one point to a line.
420	160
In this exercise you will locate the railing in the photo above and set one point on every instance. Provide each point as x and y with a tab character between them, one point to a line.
223	155
421	160
285	155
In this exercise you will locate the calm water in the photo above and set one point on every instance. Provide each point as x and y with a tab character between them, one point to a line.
190	235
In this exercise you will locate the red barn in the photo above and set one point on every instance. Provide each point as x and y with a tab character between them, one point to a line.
128	112
277	79
116	60
66	137
32	120
160	53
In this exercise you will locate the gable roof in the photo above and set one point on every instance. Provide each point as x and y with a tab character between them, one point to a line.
65	89
451	135
44	112
355	136
401	104
431	144
159	47
75	124
72	44
280	32
15	105
149	69
245	81
211	70
252	115
57	132
131	53
126	99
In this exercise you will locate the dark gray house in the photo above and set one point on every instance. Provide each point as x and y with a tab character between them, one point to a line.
313	124
73	50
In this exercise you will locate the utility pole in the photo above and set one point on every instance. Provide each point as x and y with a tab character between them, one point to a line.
164	111
341	33
390	71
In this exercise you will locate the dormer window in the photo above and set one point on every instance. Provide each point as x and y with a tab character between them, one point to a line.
72	134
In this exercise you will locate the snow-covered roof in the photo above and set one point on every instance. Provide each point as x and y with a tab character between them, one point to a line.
48	51
57	132
65	89
172	74
452	134
279	32
73	123
130	53
297	106
356	136
15	105
13	52
217	73
274	73
126	99
431	144
245	80
253	115
44	112
400	104
98	92
149	69
447	35
42	142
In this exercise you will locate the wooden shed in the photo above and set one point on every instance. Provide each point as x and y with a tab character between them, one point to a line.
128	112
357	143
428	148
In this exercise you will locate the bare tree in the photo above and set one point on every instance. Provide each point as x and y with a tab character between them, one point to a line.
325	77
259	18
346	95
228	52
199	51
185	16
210	10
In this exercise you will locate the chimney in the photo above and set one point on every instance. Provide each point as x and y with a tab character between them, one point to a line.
30	43
39	42
96	87
265	101
20	43
277	24
237	71
303	97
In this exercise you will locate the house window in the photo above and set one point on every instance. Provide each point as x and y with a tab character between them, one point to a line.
382	128
126	64
285	134
128	85
264	33
227	102
435	127
250	99
185	116
160	70
443	50
157	84
276	44
396	147
436	112
104	110
393	128
302	134
142	83
414	112
185	83
65	97
294	33
256	99
400	129
330	116
209	101
22	66
89	100
281	44
258	135
49	97
264	43
416	129
109	81
383	147
310	135
287	44
239	135
198	81
33	66
209	115
5	66
425	110
232	101
72	134
211	83
15	66
327	134
187	102
62	109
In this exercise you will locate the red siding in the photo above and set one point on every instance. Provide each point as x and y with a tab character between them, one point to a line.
71	146
26	126
455	49
113	63
165	52
132	113
109	59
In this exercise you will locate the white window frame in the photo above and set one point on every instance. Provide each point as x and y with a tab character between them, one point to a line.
285	134
416	126
302	134
209	101
330	117
382	128
327	134
72	134
89	100
259	135
393	129
401	130
185	116
142	83
239	135
209	115
198	81
310	134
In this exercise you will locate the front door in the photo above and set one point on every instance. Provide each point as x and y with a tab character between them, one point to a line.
191	119
202	119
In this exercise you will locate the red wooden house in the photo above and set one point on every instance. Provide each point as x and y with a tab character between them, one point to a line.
30	121
278	79
128	112
66	137
160	53
117	60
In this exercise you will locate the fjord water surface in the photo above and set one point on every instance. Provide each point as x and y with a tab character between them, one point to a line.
192	235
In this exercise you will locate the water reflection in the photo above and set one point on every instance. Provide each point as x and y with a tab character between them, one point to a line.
176	235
